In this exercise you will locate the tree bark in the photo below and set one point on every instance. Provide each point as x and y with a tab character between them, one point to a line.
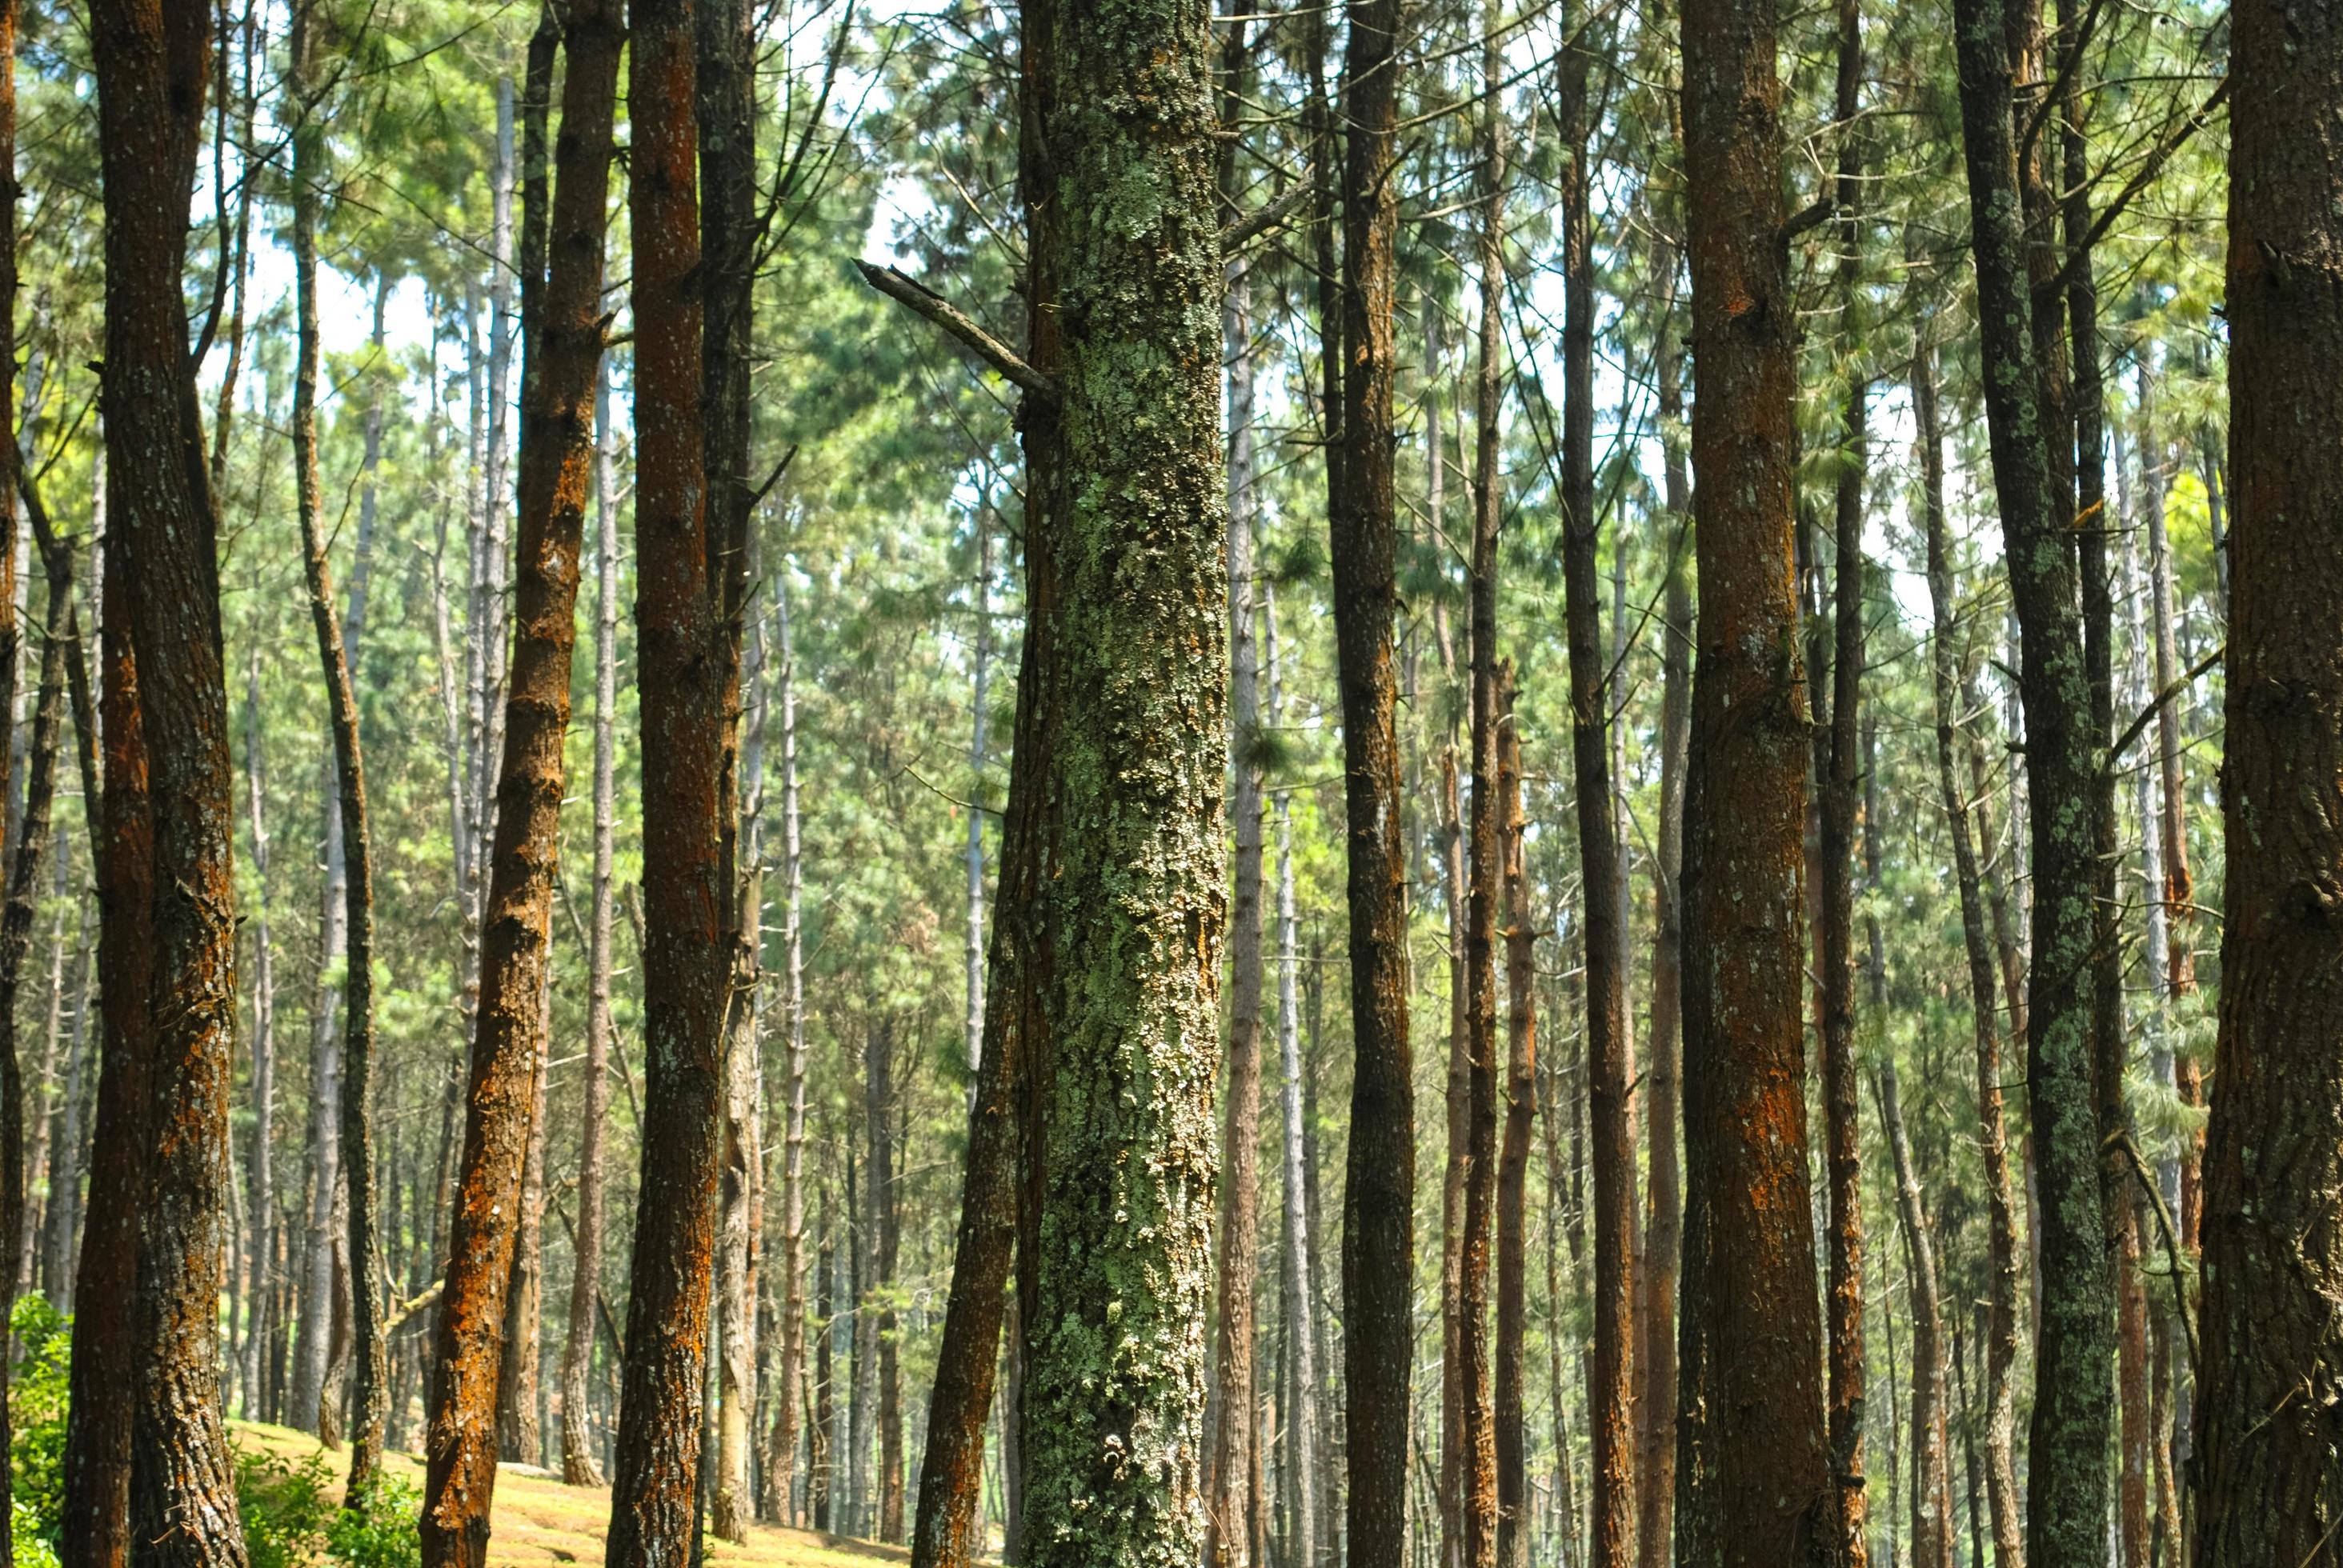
2066	1514
1610	1053
791	1396
1379	1179
1841	804
1753	1467
1932	1502
1514	1524
2001	1334
578	1463
2267	1427
1114	1244
557	461
688	683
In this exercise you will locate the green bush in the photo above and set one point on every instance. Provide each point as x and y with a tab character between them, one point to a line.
37	1416
285	1507
382	1530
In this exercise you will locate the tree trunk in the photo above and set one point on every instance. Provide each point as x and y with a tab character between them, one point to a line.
792	1393
2066	1514
1228	1503
151	65
1379	1179
2269	1490
1115	1224
1514	1525
1610	1054
578	1465
506	1051
686	683
1656	1467
1753	1467
1840	801
11	1116
349	864
2000	1336
1932	1503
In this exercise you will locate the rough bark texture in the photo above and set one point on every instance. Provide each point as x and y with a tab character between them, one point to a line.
556	473
1753	1470
2066	1479
152	63
2270	1402
1379	1176
94	1531
2001	1343
1114	1228
687	964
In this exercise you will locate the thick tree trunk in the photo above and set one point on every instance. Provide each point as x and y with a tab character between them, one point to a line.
2067	1500
2268	1426
556	463
1610	1053
687	684
2001	1334
1115	1230
1753	1467
577	1464
152	66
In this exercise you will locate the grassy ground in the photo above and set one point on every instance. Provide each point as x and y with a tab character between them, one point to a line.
540	1522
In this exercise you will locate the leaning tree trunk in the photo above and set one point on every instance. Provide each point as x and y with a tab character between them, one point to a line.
2268	1425
151	64
556	466
1114	1232
1379	1176
683	586
2066	1483
1753	1467
2001	1343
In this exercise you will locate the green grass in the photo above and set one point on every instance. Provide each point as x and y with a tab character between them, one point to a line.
539	1522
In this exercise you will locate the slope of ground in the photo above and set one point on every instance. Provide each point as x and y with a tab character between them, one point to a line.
540	1522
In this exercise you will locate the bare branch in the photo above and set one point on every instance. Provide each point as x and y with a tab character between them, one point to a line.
921	300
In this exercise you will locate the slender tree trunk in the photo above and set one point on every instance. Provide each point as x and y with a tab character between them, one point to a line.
1379	1181
1656	1472
506	1050
1115	1226
2067	1512
1514	1525
1610	1054
2000	1335
1752	1466
1229	1470
2268	1488
351	844
792	1393
151	68
578	1465
883	1114
12	1199
1932	1503
1840	801
1486	889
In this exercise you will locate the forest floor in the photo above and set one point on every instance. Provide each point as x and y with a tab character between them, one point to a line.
538	1522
